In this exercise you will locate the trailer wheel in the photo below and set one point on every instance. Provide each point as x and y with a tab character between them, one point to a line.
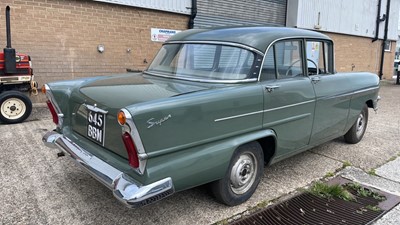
15	107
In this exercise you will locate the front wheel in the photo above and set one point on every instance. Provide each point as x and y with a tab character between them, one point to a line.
243	175
15	107
356	132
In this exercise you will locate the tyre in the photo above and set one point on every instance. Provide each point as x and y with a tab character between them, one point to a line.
356	132
243	175
15	107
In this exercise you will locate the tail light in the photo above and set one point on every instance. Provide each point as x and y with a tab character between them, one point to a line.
53	112
131	149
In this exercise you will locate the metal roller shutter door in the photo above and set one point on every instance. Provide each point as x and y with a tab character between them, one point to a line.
212	13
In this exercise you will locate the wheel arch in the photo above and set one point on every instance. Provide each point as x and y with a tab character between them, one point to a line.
268	142
268	145
245	169
370	103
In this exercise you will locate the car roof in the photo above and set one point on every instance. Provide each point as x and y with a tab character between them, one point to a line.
256	37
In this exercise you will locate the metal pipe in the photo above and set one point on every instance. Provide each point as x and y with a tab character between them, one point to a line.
8	27
193	14
378	21
384	39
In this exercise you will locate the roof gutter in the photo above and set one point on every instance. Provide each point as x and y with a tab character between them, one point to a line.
193	14
385	38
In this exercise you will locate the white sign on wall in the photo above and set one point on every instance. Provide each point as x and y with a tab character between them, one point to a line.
161	35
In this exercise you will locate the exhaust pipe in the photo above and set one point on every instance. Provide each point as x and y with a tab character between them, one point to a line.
9	53
8	27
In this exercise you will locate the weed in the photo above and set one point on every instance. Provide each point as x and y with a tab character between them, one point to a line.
329	174
331	191
364	192
301	189
372	172
222	222
392	158
373	208
262	204
346	164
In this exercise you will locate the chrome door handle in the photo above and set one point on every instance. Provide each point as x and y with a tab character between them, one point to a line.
271	88
315	79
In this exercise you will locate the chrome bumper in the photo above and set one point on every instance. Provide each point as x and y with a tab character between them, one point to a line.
375	103
124	187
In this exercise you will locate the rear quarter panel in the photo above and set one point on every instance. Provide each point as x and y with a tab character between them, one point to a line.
187	143
365	88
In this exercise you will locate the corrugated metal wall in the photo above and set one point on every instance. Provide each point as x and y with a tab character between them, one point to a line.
175	6
355	17
240	12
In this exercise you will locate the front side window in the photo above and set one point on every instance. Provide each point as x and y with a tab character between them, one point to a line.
283	60
203	61
319	57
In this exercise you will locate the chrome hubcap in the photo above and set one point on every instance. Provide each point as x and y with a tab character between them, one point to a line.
13	108
243	173
360	125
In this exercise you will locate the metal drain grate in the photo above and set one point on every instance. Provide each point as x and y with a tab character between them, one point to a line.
309	209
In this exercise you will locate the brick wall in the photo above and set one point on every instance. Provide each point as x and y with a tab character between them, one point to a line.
361	52
62	36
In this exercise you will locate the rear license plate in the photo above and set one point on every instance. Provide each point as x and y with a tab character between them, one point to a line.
95	127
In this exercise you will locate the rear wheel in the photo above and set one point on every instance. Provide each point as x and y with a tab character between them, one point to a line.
356	132
243	175
15	107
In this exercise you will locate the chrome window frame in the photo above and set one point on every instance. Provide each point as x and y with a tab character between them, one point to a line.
303	39
248	80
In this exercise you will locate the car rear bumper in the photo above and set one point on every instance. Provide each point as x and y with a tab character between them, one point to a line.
124	187
375	103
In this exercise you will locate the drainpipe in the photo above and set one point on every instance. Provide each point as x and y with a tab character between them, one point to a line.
193	14
384	40
378	21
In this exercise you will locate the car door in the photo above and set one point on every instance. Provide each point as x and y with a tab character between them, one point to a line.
289	98
333	92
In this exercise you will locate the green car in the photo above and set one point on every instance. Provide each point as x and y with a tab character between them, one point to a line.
215	106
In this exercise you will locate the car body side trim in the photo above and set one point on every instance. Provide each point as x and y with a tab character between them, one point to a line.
262	111
347	94
365	90
288	106
287	120
238	116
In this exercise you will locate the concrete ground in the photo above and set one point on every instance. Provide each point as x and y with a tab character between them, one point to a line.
39	188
